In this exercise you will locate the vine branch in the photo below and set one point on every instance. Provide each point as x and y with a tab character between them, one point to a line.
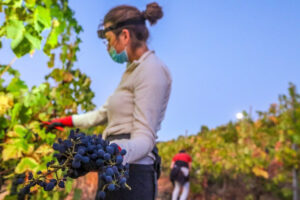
9	65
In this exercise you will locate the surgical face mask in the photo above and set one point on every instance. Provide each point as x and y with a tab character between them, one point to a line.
118	57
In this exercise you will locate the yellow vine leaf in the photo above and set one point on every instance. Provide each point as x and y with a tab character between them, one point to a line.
6	102
12	134
273	119
258	124
11	151
258	171
44	149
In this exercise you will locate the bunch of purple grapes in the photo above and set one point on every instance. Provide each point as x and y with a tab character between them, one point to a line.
78	155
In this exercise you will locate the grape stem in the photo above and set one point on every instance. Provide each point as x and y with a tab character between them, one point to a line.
127	186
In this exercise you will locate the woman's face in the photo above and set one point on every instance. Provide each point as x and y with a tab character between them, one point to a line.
120	42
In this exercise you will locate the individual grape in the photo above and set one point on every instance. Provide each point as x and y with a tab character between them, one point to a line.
62	149
85	159
68	143
72	134
53	181
50	186
91	148
101	195
107	156
123	152
26	190
84	141
120	167
116	148
40	183
119	159
61	184
99	162
76	164
110	150
115	169
122	180
78	157
81	150
20	181
100	153
109	171
111	187
30	176
56	146
108	179
102	176
94	156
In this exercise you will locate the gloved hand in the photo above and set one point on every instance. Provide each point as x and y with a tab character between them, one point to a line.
58	123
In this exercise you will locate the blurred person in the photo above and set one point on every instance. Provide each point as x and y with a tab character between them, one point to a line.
180	171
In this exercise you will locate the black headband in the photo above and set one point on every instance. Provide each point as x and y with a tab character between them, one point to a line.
101	32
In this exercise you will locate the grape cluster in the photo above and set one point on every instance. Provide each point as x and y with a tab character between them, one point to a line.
78	155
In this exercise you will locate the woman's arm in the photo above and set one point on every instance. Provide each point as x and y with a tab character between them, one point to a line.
190	165
172	164
92	118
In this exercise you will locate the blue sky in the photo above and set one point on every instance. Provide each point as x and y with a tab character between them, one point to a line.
224	56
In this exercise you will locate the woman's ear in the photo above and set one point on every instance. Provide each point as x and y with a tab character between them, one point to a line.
125	36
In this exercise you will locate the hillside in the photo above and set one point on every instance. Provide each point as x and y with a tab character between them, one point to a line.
245	159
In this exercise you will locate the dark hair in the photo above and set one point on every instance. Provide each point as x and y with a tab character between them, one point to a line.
182	151
138	32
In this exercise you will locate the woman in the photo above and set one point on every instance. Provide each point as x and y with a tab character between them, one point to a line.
136	108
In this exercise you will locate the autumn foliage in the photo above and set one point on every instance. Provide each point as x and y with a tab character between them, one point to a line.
253	156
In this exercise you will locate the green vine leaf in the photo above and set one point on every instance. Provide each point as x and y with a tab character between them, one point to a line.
15	113
14	29
42	18
34	40
20	130
26	164
17	86
30	3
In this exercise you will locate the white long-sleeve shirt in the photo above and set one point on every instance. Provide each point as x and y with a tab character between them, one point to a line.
137	106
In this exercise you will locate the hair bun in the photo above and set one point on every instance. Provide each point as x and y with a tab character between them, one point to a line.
153	13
